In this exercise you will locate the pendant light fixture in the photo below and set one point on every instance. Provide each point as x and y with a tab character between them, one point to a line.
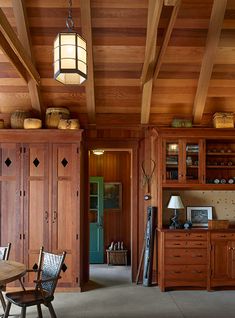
70	54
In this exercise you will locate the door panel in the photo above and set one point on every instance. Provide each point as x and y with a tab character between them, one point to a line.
64	208
36	207
96	212
10	201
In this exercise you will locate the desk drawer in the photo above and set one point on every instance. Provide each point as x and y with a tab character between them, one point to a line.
186	272
176	236
185	244
185	256
222	236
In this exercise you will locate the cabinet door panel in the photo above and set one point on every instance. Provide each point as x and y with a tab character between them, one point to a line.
64	210
36	220
10	202
219	260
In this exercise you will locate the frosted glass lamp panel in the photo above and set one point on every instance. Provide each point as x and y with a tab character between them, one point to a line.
68	51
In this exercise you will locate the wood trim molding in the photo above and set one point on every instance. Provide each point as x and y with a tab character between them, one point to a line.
215	26
16	48
87	34
19	9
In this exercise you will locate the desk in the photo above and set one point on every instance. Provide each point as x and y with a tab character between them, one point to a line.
10	271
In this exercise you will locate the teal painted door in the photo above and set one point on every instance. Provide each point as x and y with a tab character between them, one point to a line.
96	212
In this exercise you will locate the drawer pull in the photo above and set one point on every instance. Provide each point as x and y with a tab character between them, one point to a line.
198	256
222	235
199	244
176	243
177	272
176	255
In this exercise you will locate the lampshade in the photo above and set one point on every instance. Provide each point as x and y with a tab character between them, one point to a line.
70	58
175	202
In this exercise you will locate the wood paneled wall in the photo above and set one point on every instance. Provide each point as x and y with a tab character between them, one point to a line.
115	166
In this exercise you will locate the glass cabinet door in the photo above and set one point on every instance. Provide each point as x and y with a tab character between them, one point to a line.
172	162
192	162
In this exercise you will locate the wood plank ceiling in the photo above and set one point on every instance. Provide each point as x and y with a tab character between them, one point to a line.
149	61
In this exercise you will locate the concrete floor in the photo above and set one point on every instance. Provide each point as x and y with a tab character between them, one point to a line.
111	294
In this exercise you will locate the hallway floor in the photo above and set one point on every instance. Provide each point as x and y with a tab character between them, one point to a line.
114	296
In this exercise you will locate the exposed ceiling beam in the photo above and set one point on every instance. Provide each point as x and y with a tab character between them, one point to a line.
167	36
154	12
87	34
15	47
213	36
171	2
22	25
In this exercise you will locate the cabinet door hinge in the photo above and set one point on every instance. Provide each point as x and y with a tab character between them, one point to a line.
20	236
24	150
77	150
76	279
77	193
20	149
20	193
76	236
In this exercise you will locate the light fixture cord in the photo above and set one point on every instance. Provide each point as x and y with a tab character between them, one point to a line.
69	21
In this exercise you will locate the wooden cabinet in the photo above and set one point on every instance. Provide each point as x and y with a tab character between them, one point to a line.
40	197
185	259
222	259
220	162
183	161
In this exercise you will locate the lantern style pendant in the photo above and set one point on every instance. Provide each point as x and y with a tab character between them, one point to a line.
70	55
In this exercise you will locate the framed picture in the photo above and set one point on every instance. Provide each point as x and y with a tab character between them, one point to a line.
112	195
199	215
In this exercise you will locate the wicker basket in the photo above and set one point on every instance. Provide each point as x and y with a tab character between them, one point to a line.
218	224
223	120
32	123
68	124
53	116
18	117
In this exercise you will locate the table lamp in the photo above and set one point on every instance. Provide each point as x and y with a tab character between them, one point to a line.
176	204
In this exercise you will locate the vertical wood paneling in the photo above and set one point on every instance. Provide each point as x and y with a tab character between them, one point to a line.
36	208
11	225
115	166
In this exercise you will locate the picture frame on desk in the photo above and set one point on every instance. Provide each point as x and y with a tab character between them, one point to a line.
199	215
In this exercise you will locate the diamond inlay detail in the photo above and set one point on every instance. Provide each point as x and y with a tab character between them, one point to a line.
36	162
64	162
8	162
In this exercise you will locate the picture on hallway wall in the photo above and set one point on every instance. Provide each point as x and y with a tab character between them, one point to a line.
199	215
113	195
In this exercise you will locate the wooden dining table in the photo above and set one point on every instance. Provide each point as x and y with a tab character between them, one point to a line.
9	272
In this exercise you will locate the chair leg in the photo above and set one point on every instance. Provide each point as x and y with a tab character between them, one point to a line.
51	309
23	312
7	310
2	301
39	311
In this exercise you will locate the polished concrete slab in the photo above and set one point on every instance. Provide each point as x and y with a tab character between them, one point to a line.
111	294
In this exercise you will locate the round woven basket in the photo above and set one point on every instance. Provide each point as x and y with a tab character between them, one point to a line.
68	124
17	119
53	116
32	123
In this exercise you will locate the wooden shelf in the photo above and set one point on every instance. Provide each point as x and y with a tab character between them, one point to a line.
220	154
194	186
220	167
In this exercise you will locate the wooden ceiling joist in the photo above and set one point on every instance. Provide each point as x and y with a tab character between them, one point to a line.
167	36
16	48
213	36
152	66
22	25
154	12
87	34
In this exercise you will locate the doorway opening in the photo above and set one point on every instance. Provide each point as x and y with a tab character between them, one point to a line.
109	215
